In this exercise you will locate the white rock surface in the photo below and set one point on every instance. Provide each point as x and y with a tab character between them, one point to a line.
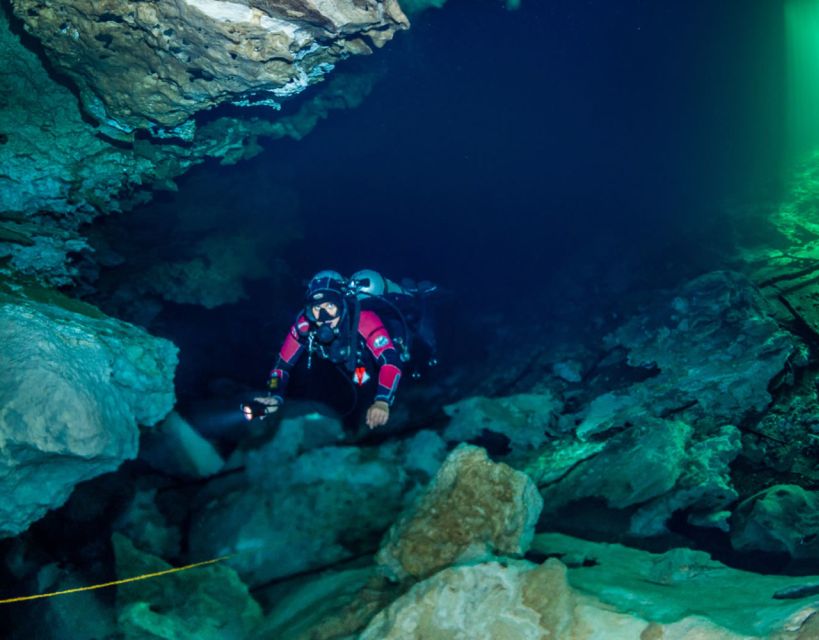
73	387
518	601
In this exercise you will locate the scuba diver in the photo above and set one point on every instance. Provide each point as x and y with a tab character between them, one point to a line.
362	325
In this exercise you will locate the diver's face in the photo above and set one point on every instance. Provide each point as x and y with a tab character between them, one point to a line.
331	316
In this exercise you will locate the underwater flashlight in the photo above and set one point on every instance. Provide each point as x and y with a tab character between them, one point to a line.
253	409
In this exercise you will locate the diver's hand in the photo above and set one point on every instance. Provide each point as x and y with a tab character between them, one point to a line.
271	405
378	414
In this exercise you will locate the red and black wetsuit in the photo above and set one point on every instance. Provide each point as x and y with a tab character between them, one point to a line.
371	333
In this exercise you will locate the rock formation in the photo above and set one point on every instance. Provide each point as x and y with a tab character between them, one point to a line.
313	502
209	603
66	159
75	385
520	601
524	419
154	65
714	345
472	509
780	519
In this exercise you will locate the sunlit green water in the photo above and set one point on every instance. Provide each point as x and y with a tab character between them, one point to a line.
802	77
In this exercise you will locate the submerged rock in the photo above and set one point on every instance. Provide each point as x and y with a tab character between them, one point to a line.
703	491
334	605
52	161
655	465
635	465
143	524
780	519
174	447
153	65
681	590
60	170
525	419
81	616
204	603
715	347
473	508
74	385
521	601
786	265
299	504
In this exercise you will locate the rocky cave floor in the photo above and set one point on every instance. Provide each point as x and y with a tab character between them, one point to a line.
650	474
643	464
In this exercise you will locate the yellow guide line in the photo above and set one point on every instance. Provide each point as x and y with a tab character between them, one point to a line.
144	576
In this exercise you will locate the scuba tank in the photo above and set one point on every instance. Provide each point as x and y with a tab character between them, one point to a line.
374	292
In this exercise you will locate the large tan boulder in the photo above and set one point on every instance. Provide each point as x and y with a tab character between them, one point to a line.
473	508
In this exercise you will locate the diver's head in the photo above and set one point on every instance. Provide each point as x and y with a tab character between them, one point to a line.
324	301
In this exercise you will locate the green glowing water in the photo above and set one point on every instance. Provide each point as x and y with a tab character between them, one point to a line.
802	60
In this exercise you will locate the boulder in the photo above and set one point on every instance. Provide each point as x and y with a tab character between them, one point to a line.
654	465
204	603
143	524
86	615
780	519
332	605
74	385
292	510
473	508
525	419
636	465
175	448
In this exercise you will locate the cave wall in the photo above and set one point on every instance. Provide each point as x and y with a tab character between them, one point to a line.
103	99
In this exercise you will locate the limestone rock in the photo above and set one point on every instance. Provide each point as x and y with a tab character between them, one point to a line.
292	510
153	65
703	490
634	466
654	465
205	603
785	267
715	346
74	384
143	524
83	616
782	518
51	161
521	601
175	448
59	171
473	508
333	605
524	419
680	589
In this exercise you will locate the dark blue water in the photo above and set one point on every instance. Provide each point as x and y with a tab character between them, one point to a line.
508	155
500	142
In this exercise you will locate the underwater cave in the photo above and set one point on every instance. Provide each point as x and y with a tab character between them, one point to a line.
404	319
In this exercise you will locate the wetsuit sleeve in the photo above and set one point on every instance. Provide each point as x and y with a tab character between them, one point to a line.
289	354
380	344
